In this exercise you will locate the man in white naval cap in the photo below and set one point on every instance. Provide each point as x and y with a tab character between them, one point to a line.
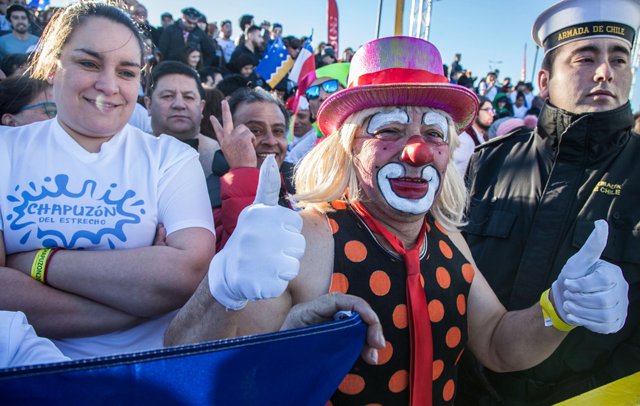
535	196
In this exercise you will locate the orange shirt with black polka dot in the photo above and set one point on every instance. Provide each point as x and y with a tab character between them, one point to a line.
363	268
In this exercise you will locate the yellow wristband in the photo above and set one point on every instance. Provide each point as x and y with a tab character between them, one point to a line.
39	264
551	318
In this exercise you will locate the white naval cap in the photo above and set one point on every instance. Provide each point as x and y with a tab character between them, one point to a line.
573	20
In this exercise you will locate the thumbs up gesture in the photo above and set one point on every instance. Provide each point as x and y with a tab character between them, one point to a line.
263	253
591	292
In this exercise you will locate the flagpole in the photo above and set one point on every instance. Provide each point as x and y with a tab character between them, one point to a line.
399	17
535	60
379	17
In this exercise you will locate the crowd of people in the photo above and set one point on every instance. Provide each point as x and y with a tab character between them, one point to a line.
179	198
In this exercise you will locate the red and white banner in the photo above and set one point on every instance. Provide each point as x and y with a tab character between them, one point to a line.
332	25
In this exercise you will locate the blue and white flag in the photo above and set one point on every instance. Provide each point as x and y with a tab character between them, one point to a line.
275	64
38	4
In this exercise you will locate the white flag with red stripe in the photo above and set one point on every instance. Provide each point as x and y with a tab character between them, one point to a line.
305	62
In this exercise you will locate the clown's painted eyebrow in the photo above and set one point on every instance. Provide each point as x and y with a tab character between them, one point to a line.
381	119
433	118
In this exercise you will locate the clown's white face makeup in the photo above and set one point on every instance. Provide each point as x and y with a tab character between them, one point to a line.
433	118
382	119
406	194
401	189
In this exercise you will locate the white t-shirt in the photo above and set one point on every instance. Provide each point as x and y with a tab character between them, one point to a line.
520	112
20	345
141	119
55	193
463	153
228	46
528	99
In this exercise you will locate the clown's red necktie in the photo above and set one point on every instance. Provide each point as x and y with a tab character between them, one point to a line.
420	377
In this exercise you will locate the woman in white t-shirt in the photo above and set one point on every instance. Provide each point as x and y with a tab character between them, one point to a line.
103	192
520	107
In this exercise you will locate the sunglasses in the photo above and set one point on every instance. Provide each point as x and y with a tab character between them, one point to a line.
49	107
329	86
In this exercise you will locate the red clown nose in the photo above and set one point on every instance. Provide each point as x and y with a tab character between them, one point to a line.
417	152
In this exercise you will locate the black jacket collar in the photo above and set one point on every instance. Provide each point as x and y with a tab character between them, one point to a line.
583	138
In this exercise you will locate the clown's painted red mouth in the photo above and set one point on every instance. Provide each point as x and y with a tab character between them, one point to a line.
409	188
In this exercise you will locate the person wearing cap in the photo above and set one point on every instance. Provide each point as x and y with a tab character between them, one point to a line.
316	86
186	30
328	57
535	195
383	203
276	31
166	19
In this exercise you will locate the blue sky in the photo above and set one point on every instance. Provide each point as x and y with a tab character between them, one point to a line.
482	31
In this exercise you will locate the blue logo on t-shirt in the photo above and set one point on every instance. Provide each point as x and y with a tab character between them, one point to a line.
94	217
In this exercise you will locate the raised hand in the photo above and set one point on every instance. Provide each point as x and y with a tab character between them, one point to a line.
591	292
263	253
237	144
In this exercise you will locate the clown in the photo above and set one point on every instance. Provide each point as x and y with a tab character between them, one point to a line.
383	201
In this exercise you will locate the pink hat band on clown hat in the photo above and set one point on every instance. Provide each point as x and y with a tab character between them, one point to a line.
398	75
397	71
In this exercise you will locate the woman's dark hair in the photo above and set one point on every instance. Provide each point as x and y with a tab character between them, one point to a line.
186	51
10	63
18	92
212	107
64	23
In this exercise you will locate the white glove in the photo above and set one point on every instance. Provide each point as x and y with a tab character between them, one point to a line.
591	292
263	253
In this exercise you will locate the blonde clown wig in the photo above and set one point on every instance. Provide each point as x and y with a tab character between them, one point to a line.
326	173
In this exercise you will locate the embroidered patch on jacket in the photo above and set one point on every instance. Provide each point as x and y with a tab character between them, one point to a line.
612	189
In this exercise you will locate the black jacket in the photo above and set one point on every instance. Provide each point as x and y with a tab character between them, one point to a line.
534	198
255	56
172	42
